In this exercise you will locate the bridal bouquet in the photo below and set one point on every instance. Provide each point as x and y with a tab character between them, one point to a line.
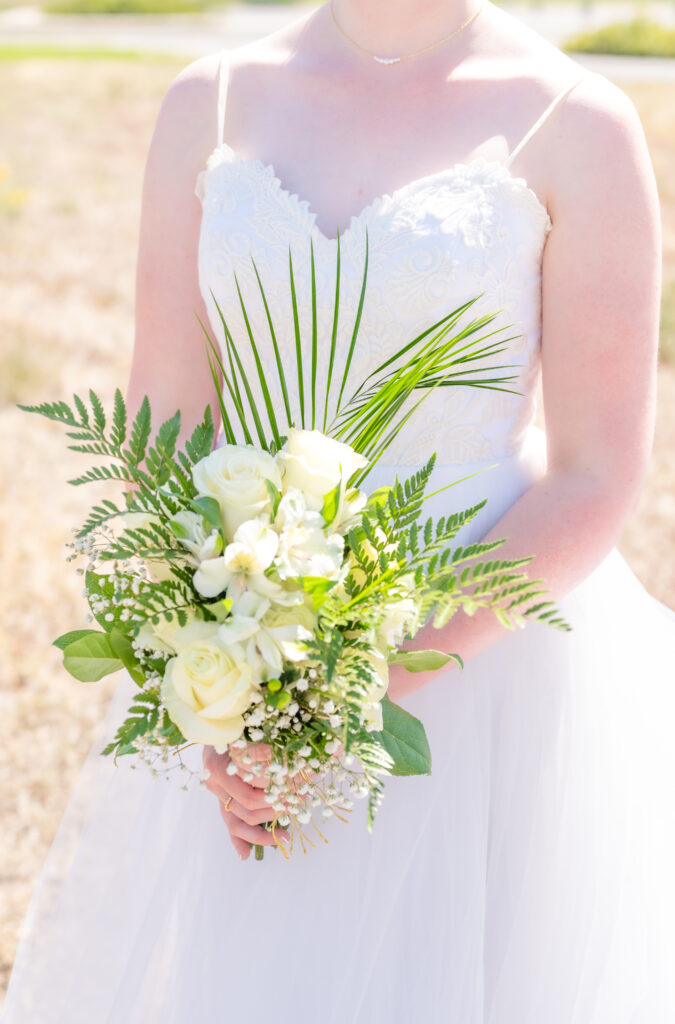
256	593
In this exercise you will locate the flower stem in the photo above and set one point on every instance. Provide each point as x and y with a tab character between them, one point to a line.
259	851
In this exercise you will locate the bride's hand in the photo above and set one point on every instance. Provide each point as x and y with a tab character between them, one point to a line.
248	808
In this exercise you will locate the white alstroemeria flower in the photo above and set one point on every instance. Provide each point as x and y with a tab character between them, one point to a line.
244	622
271	633
192	632
372	709
235	475
401	615
253	548
372	716
243	563
314	463
298	509
309	552
282	632
147	638
348	514
188	528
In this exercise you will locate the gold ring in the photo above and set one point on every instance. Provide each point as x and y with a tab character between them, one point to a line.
227	805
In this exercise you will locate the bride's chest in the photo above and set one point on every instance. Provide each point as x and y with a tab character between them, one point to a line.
432	245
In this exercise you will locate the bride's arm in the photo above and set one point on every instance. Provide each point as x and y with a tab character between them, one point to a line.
601	282
169	358
169	361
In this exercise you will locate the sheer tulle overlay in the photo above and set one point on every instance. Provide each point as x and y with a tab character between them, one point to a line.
529	878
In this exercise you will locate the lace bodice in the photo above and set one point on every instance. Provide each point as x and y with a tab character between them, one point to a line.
434	243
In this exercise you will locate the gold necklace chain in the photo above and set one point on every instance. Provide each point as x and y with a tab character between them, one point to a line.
407	56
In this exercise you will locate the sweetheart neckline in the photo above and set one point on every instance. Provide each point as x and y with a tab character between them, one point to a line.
356	218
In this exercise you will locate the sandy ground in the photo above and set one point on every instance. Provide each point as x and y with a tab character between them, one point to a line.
76	136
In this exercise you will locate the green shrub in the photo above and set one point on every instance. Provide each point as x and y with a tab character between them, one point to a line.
128	6
47	51
667	340
640	37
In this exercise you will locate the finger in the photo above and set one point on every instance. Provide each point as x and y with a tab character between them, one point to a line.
245	794
252	762
241	846
256	834
256	751
251	817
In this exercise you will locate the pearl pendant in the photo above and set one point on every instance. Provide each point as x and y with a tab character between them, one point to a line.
387	60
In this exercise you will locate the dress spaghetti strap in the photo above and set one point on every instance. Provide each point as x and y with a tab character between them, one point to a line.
223	82
535	127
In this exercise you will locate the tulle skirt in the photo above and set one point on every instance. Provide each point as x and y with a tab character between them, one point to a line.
530	879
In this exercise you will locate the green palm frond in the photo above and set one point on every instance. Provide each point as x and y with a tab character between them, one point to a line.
448	353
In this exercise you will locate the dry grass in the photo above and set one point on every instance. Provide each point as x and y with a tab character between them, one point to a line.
76	134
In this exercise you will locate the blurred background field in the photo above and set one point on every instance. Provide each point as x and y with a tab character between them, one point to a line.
73	140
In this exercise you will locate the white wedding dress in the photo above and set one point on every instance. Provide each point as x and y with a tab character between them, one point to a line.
530	878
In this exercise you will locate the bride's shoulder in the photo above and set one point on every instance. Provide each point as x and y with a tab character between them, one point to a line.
590	101
593	138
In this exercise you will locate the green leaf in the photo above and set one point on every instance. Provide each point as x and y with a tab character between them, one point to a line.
331	504
357	323
275	346
424	661
121	647
198	446
66	639
333	339
140	432
209	508
298	342
404	739
91	657
118	433
99	585
379	497
317	587
97	407
220	609
269	405
216	365
314	336
275	496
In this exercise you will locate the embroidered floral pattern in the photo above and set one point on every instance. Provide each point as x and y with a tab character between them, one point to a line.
433	244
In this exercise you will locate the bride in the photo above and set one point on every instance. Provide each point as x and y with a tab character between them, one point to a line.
528	879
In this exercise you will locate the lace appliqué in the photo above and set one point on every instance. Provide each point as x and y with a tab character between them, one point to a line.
470	230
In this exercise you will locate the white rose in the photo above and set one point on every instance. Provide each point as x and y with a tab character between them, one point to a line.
235	475
315	464
206	689
248	556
